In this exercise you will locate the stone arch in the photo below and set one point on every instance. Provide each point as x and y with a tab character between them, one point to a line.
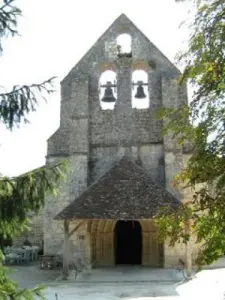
140	75
106	66
124	45
152	254
140	65
102	243
108	75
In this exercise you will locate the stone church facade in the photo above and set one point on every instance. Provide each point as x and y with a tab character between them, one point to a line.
121	166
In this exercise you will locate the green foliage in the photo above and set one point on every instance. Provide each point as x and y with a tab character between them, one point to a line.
18	197
11	290
8	19
25	194
15	105
205	132
172	224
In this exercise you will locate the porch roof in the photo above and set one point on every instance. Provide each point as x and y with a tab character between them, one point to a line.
126	191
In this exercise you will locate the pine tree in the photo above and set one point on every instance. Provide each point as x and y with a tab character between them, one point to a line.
26	193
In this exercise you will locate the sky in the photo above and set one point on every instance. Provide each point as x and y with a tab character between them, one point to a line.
54	35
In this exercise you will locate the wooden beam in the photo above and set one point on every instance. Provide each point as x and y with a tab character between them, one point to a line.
76	228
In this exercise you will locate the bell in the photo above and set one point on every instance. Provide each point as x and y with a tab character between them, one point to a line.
140	91
108	96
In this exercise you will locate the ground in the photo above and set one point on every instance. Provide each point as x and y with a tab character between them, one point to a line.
132	283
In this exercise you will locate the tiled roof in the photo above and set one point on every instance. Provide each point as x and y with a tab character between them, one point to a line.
126	191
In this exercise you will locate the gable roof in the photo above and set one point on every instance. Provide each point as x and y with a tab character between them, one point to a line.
123	192
121	20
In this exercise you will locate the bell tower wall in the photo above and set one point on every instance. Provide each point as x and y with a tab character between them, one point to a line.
122	130
94	138
70	142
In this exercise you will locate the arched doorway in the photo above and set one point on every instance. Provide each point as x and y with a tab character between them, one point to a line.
128	243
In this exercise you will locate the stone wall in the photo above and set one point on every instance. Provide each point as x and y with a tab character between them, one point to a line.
75	183
94	139
149	156
173	254
35	233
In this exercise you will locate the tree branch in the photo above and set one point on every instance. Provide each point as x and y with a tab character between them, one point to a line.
15	105
8	20
20	195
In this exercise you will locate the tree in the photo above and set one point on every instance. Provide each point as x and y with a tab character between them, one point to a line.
205	172
26	193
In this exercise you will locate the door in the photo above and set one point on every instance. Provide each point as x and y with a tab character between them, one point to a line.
128	243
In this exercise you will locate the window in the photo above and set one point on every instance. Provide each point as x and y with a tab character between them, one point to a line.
124	45
140	92
107	90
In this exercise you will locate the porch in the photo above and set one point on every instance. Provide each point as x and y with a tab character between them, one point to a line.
116	217
110	242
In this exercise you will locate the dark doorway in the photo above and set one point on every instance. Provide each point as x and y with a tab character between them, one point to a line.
128	243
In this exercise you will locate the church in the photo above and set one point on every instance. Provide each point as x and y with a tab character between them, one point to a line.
121	165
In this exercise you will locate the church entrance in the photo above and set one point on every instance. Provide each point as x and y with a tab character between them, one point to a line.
128	243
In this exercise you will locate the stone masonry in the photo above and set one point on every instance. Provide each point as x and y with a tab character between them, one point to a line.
93	139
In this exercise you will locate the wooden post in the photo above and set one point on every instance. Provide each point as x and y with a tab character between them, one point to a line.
66	250
188	251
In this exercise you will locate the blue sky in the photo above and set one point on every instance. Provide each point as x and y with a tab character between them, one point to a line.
54	35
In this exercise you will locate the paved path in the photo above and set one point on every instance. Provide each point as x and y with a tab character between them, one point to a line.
31	275
112	291
130	274
132	283
111	283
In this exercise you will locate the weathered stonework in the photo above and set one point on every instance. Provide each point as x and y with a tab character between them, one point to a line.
94	139
35	233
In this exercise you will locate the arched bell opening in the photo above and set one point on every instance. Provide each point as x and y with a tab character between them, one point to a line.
140	91
128	243
108	90
124	45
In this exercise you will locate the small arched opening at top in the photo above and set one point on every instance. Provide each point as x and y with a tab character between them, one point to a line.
140	91
124	45
107	90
